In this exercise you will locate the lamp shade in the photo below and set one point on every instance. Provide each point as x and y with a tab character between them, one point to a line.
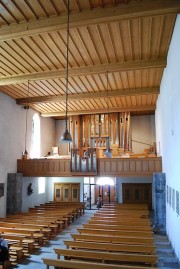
66	137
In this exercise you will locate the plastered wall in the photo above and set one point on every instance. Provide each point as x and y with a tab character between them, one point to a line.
12	138
168	136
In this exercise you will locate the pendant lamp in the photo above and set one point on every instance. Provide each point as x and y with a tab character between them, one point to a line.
25	153
66	137
108	151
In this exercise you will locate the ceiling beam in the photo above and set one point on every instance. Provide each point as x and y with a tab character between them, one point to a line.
94	16
86	70
87	96
97	111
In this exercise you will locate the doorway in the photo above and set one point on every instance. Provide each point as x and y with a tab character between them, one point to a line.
93	190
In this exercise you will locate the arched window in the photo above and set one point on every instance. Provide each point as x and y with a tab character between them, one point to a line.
35	140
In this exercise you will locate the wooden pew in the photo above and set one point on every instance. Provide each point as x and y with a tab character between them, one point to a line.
47	224
64	218
147	249
122	214
116	227
66	210
122	223
30	233
27	244
40	228
40	219
101	231
56	263
52	216
80	206
128	221
126	206
135	213
62	215
105	256
113	239
17	252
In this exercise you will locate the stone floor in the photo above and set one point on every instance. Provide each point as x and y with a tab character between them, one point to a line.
166	257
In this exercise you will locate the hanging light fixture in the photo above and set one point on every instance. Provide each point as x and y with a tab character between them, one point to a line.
66	137
108	151
25	153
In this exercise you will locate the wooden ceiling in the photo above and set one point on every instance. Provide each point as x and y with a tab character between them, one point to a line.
129	39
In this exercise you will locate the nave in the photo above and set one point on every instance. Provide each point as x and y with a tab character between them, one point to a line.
123	232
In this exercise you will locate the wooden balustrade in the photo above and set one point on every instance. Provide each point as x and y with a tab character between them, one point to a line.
129	166
106	166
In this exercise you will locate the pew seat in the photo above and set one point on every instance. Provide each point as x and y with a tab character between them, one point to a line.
147	249
107	226
56	263
113	239
105	256
147	234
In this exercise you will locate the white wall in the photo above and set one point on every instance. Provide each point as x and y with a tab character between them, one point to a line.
168	131
12	138
35	198
143	131
48	135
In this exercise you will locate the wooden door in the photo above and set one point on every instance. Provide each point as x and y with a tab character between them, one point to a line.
66	192
107	192
58	194
137	193
75	192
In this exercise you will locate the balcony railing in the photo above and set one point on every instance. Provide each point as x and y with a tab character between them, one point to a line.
105	167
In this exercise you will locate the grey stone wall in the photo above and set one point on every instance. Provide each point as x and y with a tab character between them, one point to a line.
14	193
159	202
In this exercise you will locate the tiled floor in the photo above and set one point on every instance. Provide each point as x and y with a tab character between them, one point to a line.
35	260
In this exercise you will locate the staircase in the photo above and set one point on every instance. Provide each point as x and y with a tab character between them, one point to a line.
166	256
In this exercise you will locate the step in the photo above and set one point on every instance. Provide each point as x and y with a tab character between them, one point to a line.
165	255
174	266
169	267
161	239
163	245
167	260
165	251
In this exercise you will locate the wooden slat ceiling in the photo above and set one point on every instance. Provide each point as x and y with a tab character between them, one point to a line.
129	39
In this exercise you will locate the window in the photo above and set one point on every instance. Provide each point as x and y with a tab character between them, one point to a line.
58	193
66	193
35	140
41	185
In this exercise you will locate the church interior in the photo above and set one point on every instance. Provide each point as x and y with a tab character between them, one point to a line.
89	108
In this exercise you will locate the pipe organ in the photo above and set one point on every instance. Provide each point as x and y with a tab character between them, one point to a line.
100	131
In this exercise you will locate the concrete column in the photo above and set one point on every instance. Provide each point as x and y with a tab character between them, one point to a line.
159	202
14	193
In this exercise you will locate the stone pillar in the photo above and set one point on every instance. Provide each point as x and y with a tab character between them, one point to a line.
14	193
159	202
